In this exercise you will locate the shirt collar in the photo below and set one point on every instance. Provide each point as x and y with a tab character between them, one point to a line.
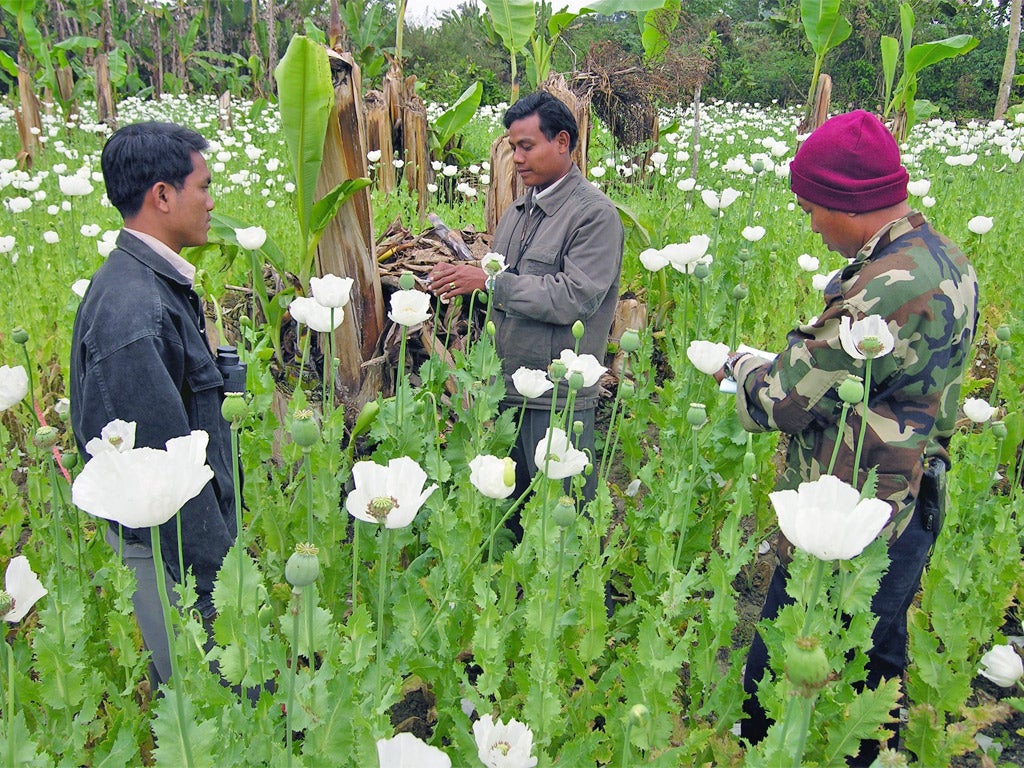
180	265
889	232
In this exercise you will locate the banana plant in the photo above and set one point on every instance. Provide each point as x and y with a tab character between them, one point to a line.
305	98
515	22
900	101
455	118
825	29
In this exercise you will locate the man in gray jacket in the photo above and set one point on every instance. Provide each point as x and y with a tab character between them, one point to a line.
562	242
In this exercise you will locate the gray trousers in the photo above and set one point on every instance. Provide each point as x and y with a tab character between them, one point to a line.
146	601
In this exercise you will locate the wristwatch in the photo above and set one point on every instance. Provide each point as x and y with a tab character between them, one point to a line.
730	362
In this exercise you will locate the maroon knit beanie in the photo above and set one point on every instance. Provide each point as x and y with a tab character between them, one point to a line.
851	164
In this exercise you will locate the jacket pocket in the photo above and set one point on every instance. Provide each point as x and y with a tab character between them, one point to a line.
540	260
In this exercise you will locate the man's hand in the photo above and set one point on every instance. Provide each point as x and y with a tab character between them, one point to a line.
446	281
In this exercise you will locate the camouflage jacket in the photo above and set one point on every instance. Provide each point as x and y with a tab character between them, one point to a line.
925	288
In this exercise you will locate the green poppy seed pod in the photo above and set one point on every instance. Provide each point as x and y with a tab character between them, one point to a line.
757	165
745	255
305	431
45	438
564	513
19	335
557	369
577	330
697	415
6	603
701	270
245	322
234	409
303	566
852	390
1003	333
508	475
807	665
577	427
69	460
870	346
630	341
406	281
999	430
638	714
265	615
627	388
491	328
740	292
749	463
365	418
575	380
1004	352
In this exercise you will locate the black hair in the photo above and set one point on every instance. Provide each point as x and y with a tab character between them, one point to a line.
553	115
142	154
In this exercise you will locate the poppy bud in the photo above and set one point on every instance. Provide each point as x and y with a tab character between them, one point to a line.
265	615
45	438
749	463
807	665
509	473
490	328
638	714
1004	351
577	330
234	409
564	513
630	341
697	415
852	390
69	460
627	388
305	431
406	281
303	566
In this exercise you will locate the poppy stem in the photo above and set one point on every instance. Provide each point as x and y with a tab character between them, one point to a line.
863	422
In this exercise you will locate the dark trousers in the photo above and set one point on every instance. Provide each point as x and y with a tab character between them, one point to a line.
887	657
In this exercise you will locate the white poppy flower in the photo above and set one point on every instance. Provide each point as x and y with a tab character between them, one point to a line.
653	259
493	476
6	243
919	187
79	287
980	225
13	385
74	186
331	290
492	263
391	495
404	750
808	263
827	518
928	201
597	171
89	230
51	237
530	382
868	337
978	410
686	185
504	746
251	238
1002	665
409	308
753	234
117	436
373	155
23	588
308	311
586	365
556	457
707	356
717	202
143	487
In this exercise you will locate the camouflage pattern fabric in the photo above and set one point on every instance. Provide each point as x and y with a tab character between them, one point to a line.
925	288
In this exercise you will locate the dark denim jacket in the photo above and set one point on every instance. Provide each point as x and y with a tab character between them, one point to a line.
138	353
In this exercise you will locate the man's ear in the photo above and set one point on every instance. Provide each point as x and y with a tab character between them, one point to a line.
563	140
159	196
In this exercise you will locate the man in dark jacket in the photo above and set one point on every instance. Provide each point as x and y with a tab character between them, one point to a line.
562	242
139	353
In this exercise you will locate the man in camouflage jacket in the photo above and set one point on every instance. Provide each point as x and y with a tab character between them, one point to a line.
848	178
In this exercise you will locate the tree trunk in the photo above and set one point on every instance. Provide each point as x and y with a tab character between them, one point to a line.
1010	62
347	246
270	16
